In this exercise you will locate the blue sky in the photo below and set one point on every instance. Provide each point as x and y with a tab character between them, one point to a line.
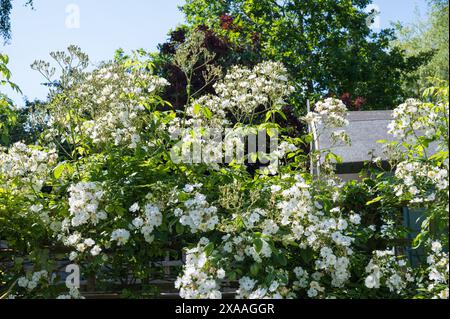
106	25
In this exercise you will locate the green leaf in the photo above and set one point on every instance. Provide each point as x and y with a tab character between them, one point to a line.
271	132
197	109
280	259
281	113
306	255
207	112
417	241
59	170
441	155
308	138
375	200
290	155
254	269
268	116
232	276
179	228
258	244
253	157
337	158
209	249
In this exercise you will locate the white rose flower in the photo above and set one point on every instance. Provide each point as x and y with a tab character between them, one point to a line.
134	208
95	250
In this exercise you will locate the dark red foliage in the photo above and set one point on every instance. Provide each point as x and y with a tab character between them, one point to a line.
346	99
359	103
203	28
226	21
178	35
176	93
167	48
256	39
214	44
353	105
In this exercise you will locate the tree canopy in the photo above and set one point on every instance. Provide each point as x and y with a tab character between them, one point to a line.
425	36
5	19
328	46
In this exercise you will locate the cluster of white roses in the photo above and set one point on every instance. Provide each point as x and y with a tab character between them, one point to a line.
111	106
273	157
413	117
207	146
121	236
121	121
311	228
241	246
386	269
31	282
241	92
118	124
421	180
302	282
438	272
202	275
215	146
81	245
331	112
297	218
146	224
337	266
85	201
328	116
197	213
308	221
253	217
84	204
201	140
74	293
244	90
250	289
315	289
199	116
24	169
198	280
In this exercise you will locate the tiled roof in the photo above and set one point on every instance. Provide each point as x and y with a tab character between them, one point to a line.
365	129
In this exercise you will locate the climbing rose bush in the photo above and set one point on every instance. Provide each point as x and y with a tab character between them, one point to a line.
101	189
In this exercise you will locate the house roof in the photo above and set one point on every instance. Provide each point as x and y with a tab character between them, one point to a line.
365	129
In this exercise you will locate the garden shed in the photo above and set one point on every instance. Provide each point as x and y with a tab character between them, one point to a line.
365	129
